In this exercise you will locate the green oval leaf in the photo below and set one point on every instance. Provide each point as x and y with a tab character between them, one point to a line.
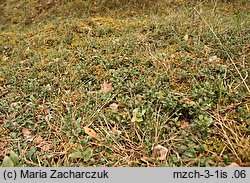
76	155
88	153
7	162
14	158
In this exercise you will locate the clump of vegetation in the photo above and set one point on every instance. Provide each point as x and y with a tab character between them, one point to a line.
89	83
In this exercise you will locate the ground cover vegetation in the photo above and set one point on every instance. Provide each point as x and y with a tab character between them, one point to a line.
102	83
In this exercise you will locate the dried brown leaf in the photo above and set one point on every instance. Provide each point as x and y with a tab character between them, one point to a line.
146	159
185	37
184	124
41	143
91	92
38	139
187	100
212	58
159	152
91	133
45	147
233	165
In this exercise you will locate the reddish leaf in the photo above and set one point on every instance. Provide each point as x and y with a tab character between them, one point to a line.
11	116
106	87
15	124
113	106
27	134
116	132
